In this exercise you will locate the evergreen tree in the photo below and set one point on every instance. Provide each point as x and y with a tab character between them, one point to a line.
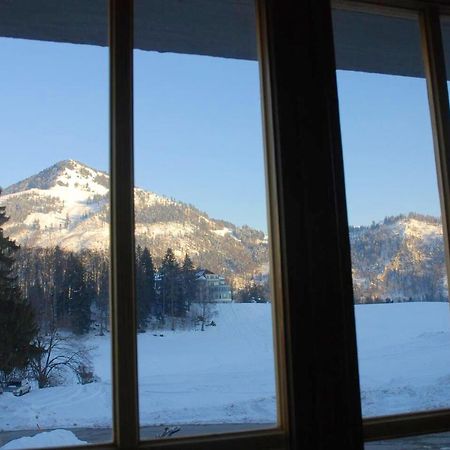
189	288
170	285
253	293
102	298
17	324
58	304
96	275
145	287
78	291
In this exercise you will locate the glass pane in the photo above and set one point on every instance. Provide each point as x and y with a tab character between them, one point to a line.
398	262
55	347
206	362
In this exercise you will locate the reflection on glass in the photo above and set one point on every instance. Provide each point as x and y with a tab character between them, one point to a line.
398	261
55	377
205	359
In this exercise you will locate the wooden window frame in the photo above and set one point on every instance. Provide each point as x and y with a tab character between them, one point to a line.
428	13
318	384
125	389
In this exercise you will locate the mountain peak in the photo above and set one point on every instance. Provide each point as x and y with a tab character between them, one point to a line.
64	174
70	164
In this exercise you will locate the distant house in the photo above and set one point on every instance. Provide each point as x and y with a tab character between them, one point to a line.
212	287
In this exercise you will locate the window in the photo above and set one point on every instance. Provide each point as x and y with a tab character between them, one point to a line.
204	366
54	168
382	48
318	386
398	253
42	24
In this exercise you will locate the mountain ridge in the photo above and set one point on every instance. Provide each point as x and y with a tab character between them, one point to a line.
399	258
67	204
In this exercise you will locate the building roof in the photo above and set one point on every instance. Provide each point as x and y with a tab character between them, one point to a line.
202	273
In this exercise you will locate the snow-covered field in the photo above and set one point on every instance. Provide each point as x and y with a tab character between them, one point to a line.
404	357
225	374
222	375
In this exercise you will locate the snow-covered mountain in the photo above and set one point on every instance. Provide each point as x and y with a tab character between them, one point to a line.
399	258
68	205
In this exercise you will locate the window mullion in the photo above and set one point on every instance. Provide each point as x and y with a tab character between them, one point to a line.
322	374
434	61
126	419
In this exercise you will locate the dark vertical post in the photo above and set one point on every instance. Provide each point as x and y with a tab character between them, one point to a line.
436	75
126	420
323	382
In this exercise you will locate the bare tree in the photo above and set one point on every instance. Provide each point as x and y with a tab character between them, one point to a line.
59	354
203	309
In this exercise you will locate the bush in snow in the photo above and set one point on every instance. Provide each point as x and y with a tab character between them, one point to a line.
58	356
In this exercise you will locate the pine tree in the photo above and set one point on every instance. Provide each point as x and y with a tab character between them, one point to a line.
58	304
254	293
188	282
79	293
102	298
17	324
145	286
149	270
170	285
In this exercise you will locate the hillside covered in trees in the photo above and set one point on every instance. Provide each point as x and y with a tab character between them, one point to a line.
399	259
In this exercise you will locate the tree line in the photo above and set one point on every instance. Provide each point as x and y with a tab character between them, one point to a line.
70	290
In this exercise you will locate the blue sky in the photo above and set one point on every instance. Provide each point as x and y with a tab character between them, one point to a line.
388	148
198	134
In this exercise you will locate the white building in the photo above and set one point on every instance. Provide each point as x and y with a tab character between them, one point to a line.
213	286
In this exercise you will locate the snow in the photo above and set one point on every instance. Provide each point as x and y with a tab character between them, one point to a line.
222	232
417	230
226	373
85	237
73	179
422	230
71	211
404	357
75	193
55	438
145	198
222	375
166	228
